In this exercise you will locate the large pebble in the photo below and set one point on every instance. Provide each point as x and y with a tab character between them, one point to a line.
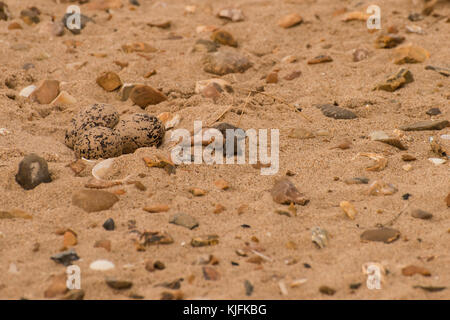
285	192
335	112
144	95
396	81
94	200
222	63
184	220
33	170
386	235
46	92
426	125
290	20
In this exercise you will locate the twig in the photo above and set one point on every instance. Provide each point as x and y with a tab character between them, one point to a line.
397	216
243	109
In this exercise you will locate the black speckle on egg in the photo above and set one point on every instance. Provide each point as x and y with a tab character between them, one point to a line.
140	130
98	142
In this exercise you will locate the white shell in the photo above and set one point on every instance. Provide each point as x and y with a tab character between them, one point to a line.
101	265
100	170
437	161
26	92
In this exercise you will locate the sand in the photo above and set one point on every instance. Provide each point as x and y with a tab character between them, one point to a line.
319	168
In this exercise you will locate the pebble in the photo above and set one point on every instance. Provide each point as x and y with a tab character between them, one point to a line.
46	92
407	167
224	37
205	46
66	257
426	125
349	209
408	157
157	208
4	11
320	59
293	75
447	200
232	14
155	238
184	220
388	41
225	62
57	287
421	214
138	47
300	133
70	239
357	180
285	192
63	99
444	71
118	284
98	142
109	81
33	170
327	290
386	235
94	200
433	111
410	54
414	29
393	142
222	184
109	224
412	270
355	16
335	112
161	24
379	187
378	135
272	77
74	295
290	20
30	16
144	95
14	26
396	81
139	130
320	237
105	244
15	214
210	273
248	288
101	265
360	54
209	240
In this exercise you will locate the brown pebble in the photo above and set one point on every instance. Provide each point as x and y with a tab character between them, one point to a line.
219	208
285	192
57	287
46	92
222	184
412	270
327	290
388	41
197	192
210	273
157	208
421	214
293	75
320	59
70	238
408	157
143	96
272	77
109	81
105	244
290	20
386	235
94	200
224	37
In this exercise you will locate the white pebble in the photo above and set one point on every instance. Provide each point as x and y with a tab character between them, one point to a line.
102	265
4	132
445	136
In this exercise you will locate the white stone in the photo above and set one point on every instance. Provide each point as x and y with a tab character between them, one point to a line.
378	135
102	265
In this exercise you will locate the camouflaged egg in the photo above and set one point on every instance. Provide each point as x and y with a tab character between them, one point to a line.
140	130
95	115
98	142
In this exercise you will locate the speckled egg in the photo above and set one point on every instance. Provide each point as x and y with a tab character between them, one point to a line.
95	115
98	142
140	130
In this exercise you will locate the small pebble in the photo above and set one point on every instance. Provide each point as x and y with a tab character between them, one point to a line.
101	265
33	170
109	224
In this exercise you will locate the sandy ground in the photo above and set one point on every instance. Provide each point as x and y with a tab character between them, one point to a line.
319	169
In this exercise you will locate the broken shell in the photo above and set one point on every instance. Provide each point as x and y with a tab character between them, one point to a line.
169	119
319	237
26	92
380	161
379	187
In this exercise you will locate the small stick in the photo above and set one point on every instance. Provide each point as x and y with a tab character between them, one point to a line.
397	216
243	109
